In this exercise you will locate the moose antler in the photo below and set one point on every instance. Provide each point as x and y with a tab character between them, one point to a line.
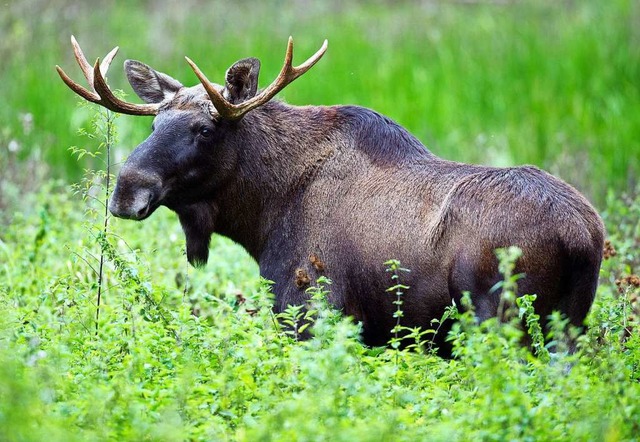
100	92
288	73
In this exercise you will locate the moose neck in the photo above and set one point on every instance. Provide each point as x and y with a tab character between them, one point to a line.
279	148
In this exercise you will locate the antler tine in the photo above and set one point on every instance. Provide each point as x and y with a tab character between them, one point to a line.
224	108
288	55
311	61
104	66
82	61
100	92
111	102
287	74
75	87
297	71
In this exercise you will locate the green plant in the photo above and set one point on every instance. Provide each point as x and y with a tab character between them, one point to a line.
507	259
397	289
103	131
531	319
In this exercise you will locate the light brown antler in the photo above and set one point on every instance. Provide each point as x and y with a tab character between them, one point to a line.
288	73
100	92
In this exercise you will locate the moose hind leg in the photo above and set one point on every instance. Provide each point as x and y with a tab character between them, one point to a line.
580	289
476	273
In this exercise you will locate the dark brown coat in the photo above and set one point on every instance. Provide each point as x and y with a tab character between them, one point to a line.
337	191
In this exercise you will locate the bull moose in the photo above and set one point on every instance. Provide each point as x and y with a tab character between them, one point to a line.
337	191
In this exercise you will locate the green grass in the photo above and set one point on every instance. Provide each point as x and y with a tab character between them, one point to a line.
551	83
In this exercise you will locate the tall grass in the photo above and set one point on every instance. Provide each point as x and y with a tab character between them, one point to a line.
553	83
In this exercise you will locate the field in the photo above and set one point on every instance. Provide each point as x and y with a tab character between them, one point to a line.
157	350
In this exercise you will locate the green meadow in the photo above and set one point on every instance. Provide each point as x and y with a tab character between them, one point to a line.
551	83
110	335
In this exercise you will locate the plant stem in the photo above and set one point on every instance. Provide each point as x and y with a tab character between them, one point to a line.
105	226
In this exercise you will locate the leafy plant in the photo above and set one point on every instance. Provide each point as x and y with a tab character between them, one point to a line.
103	131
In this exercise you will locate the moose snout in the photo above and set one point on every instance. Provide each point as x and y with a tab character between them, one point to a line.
136	196
136	207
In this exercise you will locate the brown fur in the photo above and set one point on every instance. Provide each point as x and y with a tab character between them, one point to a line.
358	189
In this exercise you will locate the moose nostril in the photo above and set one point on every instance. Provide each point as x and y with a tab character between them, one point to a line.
136	194
142	212
137	204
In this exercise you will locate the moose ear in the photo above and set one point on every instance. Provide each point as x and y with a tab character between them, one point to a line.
150	85
242	80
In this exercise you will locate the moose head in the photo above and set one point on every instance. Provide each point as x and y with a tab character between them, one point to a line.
197	133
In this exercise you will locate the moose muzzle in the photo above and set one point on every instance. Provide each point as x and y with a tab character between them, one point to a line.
137	194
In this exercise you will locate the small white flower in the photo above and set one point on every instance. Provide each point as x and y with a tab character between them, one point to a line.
13	146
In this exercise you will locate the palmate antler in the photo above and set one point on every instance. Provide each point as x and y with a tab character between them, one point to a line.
288	73
100	92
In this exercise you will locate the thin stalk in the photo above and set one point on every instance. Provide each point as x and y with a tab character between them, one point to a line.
105	226
394	266
396	331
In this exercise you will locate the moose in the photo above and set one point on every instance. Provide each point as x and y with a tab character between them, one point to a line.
337	191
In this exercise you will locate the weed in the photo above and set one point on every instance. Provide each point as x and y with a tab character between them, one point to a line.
103	126
397	289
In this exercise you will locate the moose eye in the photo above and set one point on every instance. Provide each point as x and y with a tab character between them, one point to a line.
205	132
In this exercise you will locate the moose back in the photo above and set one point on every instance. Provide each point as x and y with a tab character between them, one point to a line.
339	190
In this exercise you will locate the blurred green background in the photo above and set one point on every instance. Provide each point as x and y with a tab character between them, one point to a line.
551	83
